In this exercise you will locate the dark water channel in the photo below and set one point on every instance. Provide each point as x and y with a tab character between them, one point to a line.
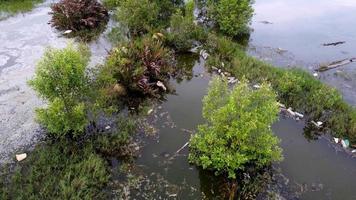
311	169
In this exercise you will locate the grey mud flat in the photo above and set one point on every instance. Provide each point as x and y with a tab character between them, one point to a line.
23	40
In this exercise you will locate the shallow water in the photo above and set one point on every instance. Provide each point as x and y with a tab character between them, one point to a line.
301	27
313	169
23	39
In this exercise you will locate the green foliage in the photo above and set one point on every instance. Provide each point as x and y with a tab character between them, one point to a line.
86	18
15	6
61	79
231	16
111	4
58	171
140	16
183	31
237	133
136	67
117	142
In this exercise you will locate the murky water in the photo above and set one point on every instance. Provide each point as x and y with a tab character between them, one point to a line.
301	27
315	169
23	39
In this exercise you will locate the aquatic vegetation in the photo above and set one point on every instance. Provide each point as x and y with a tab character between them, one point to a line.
231	17
118	142
61	80
15	6
85	18
59	170
237	133
183	32
140	68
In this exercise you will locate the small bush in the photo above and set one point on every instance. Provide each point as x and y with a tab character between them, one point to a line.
136	67
61	79
183	31
237	133
232	17
86	18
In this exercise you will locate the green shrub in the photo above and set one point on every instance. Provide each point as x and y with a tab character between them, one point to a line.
86	18
237	133
232	17
183	31
136	67
61	79
61	170
140	16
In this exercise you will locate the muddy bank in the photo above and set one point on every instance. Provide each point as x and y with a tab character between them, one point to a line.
23	39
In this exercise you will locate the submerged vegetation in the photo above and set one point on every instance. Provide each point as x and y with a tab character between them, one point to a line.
84	18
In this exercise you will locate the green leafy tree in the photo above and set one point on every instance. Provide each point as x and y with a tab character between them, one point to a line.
237	133
232	16
61	79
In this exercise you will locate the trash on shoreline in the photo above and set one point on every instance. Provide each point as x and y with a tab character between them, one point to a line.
317	124
345	143
334	43
67	31
161	85
204	54
337	140
149	111
256	86
335	64
315	74
21	157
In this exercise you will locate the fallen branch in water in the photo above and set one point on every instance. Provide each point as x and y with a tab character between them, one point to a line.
334	43
177	152
335	64
186	144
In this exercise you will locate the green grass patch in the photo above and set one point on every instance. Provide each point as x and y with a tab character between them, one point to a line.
11	7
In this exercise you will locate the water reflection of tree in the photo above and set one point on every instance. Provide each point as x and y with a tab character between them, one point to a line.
248	184
184	68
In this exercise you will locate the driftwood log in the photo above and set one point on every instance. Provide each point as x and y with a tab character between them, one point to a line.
334	43
335	64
